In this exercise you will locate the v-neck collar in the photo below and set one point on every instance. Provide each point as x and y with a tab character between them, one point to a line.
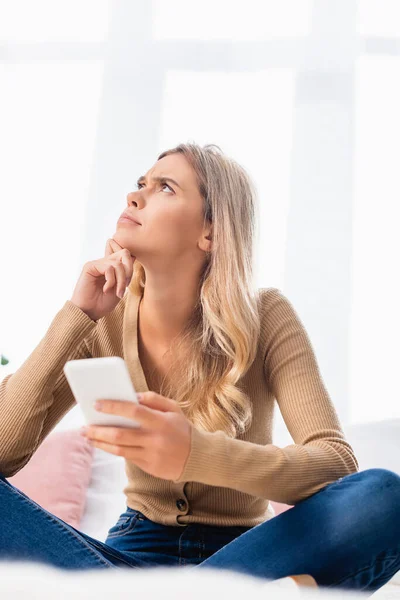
130	342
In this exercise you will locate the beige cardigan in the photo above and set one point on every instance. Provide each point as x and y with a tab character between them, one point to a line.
225	481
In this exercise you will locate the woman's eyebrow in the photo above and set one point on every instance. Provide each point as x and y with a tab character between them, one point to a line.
159	179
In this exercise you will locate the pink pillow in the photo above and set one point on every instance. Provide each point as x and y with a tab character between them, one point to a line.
58	474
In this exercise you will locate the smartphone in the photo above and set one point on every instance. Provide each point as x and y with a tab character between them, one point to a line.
108	378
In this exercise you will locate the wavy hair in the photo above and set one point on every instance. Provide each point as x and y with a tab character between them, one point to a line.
219	343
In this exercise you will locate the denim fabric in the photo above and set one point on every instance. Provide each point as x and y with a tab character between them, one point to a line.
347	535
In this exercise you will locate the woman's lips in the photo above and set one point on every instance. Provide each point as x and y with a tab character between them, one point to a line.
126	220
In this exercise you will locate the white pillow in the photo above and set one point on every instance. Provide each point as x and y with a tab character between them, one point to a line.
105	498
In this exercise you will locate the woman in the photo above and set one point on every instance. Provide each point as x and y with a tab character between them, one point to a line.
211	355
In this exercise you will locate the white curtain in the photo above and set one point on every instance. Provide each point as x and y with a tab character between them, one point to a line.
304	94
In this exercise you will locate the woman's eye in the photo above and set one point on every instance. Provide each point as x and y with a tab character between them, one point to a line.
162	185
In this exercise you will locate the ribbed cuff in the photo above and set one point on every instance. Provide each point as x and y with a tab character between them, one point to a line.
78	315
207	459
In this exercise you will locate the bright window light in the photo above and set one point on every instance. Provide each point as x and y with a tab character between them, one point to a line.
233	20
48	124
378	18
375	327
54	20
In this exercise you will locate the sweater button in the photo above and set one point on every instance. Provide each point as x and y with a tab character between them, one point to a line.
181	504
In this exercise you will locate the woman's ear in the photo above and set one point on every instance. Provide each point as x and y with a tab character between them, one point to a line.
207	239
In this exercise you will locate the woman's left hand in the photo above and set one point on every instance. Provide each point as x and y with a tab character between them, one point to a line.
160	446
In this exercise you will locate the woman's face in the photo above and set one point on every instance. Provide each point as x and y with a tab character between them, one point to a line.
170	216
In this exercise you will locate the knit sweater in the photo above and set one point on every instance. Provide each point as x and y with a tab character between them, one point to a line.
225	481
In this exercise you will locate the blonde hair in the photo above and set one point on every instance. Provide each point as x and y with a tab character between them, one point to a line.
219	343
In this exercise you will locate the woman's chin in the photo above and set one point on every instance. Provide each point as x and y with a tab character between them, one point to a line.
123	234
124	239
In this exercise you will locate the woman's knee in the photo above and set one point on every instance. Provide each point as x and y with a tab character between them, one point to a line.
361	505
383	493
382	480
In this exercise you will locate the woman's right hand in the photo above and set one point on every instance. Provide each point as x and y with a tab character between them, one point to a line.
96	292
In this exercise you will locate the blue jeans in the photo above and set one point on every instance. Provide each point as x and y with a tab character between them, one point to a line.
347	535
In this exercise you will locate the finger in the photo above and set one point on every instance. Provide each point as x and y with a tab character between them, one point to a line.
119	436
146	417
115	247
121	279
112	246
135	455
123	263
110	279
126	260
158	402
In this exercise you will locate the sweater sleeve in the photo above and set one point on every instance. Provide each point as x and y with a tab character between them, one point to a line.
320	454
36	397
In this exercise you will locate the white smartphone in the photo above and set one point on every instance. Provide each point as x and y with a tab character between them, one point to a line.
106	378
